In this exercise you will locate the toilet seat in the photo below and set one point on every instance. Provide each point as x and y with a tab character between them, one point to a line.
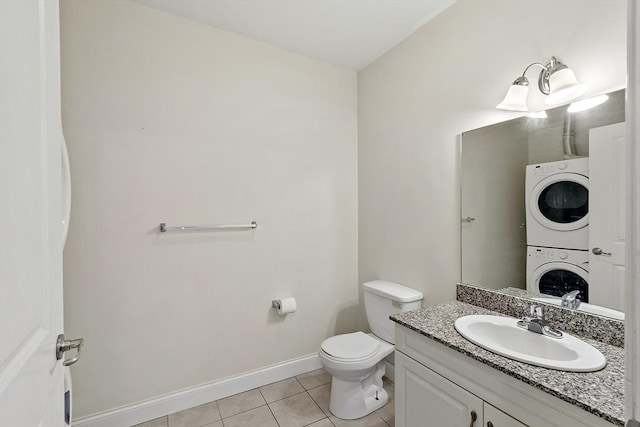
353	347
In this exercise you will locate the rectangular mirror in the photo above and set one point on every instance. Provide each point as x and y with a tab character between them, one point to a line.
542	205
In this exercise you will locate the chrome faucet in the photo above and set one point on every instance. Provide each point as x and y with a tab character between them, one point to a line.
570	300
535	322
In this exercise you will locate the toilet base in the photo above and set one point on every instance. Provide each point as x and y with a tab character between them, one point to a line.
351	399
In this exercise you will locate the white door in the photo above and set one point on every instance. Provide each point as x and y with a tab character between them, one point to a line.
426	399
607	197
31	379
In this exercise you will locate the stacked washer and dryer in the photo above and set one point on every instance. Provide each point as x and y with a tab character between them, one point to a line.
557	209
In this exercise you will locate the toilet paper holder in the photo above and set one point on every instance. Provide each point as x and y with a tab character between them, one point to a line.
284	306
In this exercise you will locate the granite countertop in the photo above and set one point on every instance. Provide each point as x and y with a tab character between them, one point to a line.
600	393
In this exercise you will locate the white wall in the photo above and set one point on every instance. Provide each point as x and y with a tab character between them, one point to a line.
169	120
445	79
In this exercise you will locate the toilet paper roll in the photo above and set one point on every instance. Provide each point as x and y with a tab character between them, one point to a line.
286	306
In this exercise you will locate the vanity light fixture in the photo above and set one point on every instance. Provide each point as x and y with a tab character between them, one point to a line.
556	80
538	115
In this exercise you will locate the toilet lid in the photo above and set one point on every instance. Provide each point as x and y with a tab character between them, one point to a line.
357	345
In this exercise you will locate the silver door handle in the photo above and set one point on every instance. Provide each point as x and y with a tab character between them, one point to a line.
63	346
598	251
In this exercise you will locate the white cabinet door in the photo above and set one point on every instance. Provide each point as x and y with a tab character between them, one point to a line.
494	417
607	195
426	399
31	379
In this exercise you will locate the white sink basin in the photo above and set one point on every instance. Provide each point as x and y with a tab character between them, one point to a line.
501	335
587	308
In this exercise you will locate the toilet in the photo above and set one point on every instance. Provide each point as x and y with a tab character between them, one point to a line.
356	360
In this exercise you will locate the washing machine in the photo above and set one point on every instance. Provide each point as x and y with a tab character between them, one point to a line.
555	272
557	204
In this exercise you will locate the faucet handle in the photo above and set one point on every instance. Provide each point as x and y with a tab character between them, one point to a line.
536	311
571	295
570	299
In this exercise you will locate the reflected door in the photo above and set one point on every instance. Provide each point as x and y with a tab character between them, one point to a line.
607	159
493	207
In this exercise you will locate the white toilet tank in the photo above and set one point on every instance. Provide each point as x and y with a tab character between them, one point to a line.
383	299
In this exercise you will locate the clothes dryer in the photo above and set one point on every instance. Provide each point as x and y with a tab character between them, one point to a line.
557	204
558	271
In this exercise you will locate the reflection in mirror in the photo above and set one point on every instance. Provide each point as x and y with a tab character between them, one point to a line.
543	203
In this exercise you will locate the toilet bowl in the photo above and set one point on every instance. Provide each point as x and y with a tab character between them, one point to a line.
356	360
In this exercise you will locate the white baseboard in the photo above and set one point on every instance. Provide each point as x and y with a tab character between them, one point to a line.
168	404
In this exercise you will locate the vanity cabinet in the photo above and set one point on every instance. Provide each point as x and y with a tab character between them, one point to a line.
425	398
438	386
428	399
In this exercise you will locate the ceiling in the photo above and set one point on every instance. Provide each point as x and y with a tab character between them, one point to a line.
349	33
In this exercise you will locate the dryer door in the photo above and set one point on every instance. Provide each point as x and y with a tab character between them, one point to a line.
561	202
558	278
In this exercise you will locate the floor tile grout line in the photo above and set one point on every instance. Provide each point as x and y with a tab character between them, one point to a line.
260	393
317	406
299	383
313	388
243	412
283	398
273	415
219	413
314	400
317	421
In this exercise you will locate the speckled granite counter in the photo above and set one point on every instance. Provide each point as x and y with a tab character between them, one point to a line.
514	302
601	392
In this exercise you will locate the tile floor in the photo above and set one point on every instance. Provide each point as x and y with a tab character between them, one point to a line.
294	402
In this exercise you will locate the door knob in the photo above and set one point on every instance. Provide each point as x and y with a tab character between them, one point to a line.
63	346
598	251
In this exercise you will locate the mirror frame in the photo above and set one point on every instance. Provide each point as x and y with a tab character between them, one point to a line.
632	321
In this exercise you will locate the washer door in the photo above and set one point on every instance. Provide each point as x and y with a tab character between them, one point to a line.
561	202
558	278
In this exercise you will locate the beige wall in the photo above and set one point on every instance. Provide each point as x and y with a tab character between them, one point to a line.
169	120
445	79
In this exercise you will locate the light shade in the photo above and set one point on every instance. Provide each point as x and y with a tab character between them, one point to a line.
563	87
538	115
516	99
585	104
